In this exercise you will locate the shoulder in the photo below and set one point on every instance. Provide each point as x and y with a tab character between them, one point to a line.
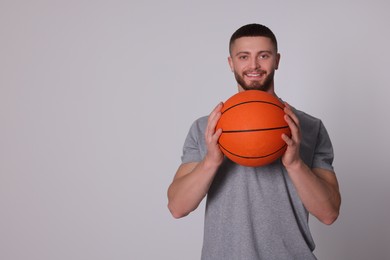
316	146
199	125
202	120
305	117
309	123
197	130
194	147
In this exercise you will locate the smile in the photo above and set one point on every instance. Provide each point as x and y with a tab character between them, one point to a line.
255	74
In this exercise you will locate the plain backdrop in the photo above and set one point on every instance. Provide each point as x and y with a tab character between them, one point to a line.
96	98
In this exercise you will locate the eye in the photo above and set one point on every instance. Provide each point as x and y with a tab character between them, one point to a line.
243	57
264	56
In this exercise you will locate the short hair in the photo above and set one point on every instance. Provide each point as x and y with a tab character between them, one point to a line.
253	30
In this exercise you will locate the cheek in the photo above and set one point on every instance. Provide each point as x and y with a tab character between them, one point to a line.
275	64
236	69
241	67
270	66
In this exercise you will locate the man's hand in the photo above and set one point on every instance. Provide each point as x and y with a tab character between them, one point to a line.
214	154
291	156
317	188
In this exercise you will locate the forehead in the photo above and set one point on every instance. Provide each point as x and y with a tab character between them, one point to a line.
252	44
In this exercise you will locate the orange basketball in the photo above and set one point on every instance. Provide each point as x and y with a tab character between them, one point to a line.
252	124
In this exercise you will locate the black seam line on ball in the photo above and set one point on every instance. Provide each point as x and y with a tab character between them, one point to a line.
254	101
253	130
253	157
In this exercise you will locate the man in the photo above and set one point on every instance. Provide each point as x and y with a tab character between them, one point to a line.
257	212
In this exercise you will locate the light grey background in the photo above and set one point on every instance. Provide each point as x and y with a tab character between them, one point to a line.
96	98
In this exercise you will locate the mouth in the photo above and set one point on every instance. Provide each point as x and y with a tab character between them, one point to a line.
255	75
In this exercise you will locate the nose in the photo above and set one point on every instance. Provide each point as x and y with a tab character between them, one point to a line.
254	63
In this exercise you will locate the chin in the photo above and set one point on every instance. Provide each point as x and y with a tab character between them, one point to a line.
264	88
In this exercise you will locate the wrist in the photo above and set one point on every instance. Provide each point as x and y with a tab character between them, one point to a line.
295	166
211	165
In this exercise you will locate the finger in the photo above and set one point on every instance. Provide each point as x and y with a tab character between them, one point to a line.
291	123
294	128
287	139
292	120
213	120
288	110
217	134
215	113
217	108
213	123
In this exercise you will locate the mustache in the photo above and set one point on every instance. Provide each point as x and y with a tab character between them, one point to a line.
257	71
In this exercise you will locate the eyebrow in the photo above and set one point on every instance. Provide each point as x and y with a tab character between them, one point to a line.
242	52
247	52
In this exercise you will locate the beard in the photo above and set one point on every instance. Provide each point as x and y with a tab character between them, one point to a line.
264	85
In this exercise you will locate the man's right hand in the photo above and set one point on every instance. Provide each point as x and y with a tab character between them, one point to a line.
214	154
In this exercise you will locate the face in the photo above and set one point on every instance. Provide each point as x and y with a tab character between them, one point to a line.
254	61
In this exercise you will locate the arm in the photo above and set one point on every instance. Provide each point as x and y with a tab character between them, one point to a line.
317	188
192	180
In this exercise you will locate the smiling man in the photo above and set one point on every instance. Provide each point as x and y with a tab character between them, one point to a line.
257	212
253	61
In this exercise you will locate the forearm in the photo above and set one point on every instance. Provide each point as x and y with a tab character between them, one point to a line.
193	180
189	187
318	190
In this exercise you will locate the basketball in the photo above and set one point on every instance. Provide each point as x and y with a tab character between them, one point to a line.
252	124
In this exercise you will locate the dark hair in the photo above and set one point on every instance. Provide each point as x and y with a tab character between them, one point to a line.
253	30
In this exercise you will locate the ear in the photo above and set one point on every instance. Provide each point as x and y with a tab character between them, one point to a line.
230	61
277	61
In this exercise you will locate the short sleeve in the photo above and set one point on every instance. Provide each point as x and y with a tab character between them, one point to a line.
323	154
193	148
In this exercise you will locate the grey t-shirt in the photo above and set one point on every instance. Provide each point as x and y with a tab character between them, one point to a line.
255	212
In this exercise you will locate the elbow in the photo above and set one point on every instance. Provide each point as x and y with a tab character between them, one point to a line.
177	214
330	218
176	209
332	213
